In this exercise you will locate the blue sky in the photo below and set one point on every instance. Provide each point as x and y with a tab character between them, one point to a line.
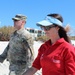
36	10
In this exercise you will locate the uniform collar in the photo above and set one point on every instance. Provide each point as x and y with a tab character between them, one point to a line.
20	31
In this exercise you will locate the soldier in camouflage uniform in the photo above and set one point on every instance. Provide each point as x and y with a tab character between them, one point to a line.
19	51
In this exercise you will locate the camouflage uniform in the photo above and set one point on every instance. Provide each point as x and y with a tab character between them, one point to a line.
18	52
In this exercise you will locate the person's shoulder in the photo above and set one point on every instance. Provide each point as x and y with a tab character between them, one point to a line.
68	46
27	34
45	44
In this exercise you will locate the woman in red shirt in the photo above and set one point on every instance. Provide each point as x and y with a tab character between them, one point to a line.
56	56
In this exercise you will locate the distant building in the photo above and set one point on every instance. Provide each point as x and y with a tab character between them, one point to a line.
35	32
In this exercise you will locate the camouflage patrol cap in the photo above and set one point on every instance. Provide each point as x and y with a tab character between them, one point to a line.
19	17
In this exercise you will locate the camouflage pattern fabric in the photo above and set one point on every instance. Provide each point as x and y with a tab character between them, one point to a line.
19	51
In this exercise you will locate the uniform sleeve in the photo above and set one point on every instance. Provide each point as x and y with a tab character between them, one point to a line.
28	37
3	56
27	44
69	57
31	43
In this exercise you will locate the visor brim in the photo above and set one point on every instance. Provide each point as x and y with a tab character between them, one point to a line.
44	23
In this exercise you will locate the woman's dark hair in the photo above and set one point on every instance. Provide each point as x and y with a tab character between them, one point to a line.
62	32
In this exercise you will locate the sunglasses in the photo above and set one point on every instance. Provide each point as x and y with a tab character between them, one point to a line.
46	28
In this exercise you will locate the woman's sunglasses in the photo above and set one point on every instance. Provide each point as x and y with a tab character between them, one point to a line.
47	27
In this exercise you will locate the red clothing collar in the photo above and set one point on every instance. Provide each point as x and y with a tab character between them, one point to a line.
61	40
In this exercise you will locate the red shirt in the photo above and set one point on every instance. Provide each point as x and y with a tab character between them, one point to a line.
56	59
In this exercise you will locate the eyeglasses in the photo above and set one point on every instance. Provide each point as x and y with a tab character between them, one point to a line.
47	27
